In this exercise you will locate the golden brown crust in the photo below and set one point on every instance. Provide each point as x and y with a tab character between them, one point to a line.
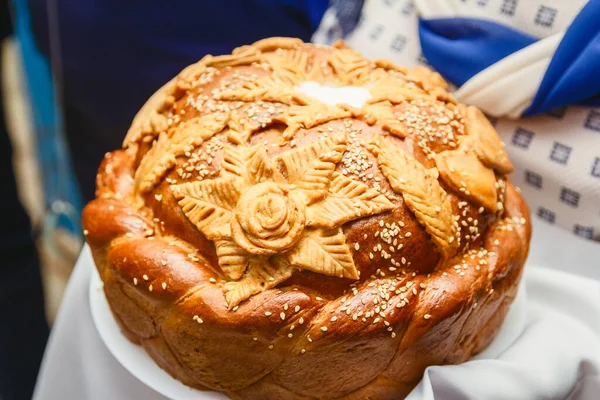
258	242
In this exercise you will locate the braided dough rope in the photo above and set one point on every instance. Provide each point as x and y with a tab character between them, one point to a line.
306	365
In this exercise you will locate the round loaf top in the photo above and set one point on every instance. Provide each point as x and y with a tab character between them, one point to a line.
269	185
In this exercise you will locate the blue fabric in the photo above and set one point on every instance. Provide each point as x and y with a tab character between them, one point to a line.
55	169
573	74
313	9
115	53
459	48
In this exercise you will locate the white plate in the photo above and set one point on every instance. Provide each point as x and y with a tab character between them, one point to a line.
135	359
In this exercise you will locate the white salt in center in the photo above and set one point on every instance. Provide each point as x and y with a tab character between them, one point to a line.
351	95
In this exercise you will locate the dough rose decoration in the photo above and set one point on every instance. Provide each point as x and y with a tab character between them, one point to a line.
265	226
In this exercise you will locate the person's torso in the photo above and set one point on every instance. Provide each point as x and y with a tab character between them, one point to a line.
114	54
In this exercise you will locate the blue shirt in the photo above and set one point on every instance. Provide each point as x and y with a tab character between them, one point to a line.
116	53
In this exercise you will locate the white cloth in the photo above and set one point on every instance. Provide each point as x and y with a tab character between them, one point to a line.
77	365
556	156
520	14
557	356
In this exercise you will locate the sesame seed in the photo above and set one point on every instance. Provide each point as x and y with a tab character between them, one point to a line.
255	338
150	288
282	316
297	308
164	285
285	306
135	281
333	319
85	232
290	335
301	320
407	234
270	347
427	316
318	298
199	320
268	313
393	335
324	328
303	351
145	277
212	280
356	246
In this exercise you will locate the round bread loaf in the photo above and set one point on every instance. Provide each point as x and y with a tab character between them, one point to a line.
270	243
